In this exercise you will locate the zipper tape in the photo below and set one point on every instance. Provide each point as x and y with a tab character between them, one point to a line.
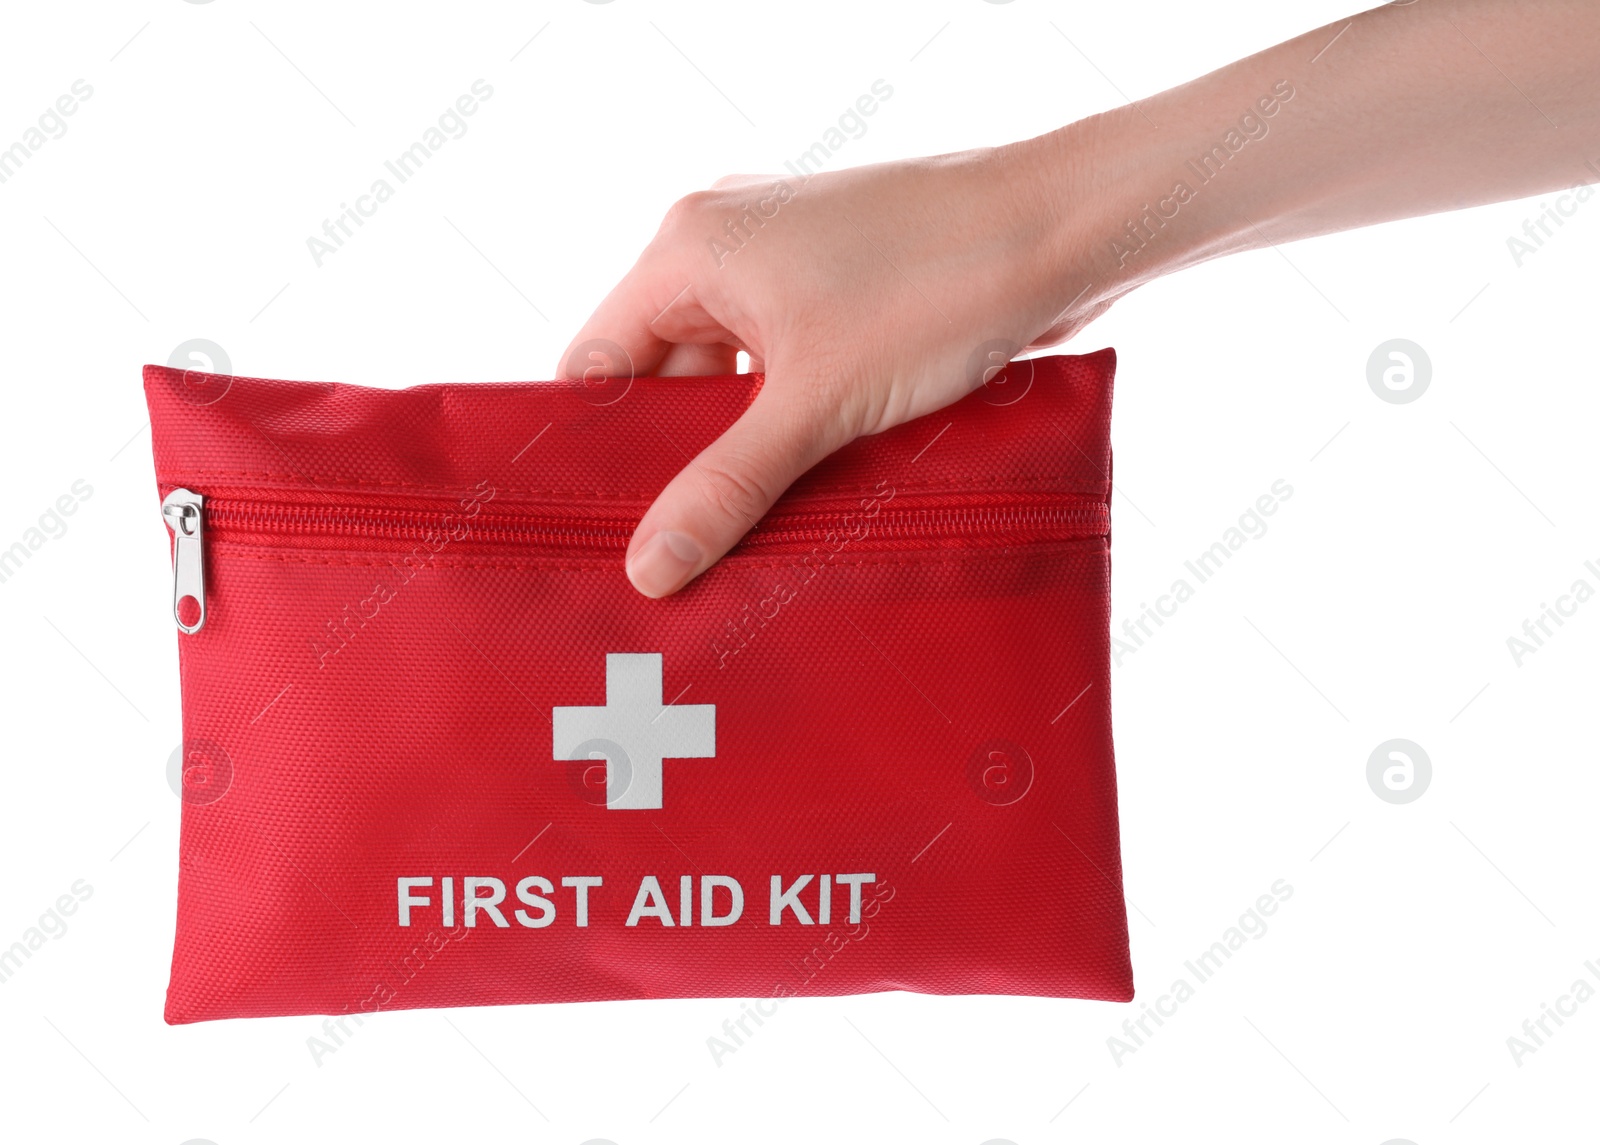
941	520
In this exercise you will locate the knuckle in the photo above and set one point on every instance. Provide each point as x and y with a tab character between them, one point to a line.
686	211
734	494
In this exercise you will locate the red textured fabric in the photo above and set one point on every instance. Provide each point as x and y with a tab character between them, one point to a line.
898	685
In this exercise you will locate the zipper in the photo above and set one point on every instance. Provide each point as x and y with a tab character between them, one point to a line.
379	524
181	510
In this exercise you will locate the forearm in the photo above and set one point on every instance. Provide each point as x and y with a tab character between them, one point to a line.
1397	112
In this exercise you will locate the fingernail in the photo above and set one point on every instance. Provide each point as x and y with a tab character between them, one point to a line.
664	564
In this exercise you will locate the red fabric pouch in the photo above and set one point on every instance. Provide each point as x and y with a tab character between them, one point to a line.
438	752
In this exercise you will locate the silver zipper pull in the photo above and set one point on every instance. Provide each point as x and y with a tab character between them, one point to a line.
181	511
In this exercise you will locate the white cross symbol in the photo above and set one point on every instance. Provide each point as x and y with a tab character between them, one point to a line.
634	722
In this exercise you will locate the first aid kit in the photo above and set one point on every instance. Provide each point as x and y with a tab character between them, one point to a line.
438	752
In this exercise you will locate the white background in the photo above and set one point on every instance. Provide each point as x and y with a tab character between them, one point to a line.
1417	940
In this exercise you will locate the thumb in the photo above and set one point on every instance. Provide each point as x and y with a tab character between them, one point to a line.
722	493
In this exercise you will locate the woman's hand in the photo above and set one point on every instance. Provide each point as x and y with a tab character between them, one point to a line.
867	296
864	295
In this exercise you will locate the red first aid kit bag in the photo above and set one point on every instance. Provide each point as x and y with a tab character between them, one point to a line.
438	752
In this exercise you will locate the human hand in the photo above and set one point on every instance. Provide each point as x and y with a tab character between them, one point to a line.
861	294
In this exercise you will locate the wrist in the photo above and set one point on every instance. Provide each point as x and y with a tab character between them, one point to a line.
1132	201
